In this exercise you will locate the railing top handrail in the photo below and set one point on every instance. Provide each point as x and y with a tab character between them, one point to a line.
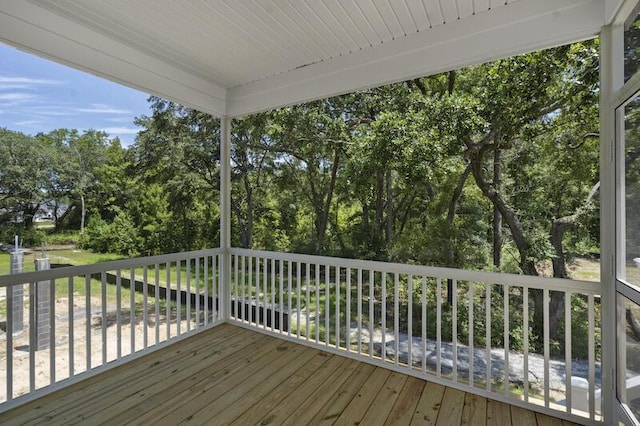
529	281
94	268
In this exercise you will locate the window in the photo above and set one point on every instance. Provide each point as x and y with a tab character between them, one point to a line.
631	46
631	196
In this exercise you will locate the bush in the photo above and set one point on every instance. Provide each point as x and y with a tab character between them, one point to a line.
28	237
119	237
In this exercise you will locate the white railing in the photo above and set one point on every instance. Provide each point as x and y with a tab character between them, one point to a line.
480	338
99	315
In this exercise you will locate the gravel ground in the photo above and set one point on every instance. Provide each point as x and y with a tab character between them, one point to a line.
557	367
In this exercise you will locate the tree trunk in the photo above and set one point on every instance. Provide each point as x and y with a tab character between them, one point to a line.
389	192
558	229
83	212
378	232
526	264
497	218
325	211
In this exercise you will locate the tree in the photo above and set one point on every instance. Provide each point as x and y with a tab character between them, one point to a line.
24	173
178	148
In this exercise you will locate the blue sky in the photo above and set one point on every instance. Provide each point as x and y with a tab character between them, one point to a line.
37	95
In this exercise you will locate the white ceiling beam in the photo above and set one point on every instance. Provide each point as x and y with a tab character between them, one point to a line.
46	34
519	27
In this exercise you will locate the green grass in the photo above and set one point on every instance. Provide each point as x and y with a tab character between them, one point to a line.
79	287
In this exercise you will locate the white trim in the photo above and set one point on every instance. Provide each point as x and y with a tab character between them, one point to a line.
513	29
51	274
585	287
608	38
225	216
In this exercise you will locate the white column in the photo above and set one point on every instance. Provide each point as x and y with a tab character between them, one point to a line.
610	76
225	216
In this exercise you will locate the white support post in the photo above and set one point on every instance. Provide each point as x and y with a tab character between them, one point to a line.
225	217
610	82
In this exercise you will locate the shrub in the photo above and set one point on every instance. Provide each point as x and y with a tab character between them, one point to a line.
119	237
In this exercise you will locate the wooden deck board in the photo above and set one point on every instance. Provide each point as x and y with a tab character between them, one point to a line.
405	406
475	410
429	405
231	375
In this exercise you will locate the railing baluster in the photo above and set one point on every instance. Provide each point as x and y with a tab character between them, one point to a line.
167	270
567	348
52	332
298	297
145	299
249	301
372	316
317	283
470	349
264	294
384	315
327	312
439	326
118	314
592	356
87	284
396	316
347	324
409	321
505	310
206	289
256	306
454	328
265	276
132	309
338	272
71	326
215	285
423	320
308	299
487	310
103	283
525	346
273	294
243	291
32	337
178	297
10	320
157	302
359	312
545	316
289	297
187	294
281	292
197	259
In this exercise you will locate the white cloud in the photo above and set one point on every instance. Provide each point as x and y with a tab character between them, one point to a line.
118	120
16	96
103	109
27	81
27	123
120	130
51	111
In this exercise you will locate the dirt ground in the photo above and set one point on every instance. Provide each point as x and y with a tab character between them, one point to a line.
21	358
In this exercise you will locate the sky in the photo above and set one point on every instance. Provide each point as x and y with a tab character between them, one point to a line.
37	95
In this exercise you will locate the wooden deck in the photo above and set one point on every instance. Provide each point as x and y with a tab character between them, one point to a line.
229	375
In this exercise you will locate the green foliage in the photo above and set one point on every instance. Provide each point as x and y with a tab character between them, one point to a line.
119	236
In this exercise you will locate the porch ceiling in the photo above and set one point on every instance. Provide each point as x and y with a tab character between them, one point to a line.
236	57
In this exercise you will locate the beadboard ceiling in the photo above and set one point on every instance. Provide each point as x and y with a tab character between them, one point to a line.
234	57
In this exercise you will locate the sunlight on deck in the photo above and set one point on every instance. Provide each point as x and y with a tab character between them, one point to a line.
230	375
